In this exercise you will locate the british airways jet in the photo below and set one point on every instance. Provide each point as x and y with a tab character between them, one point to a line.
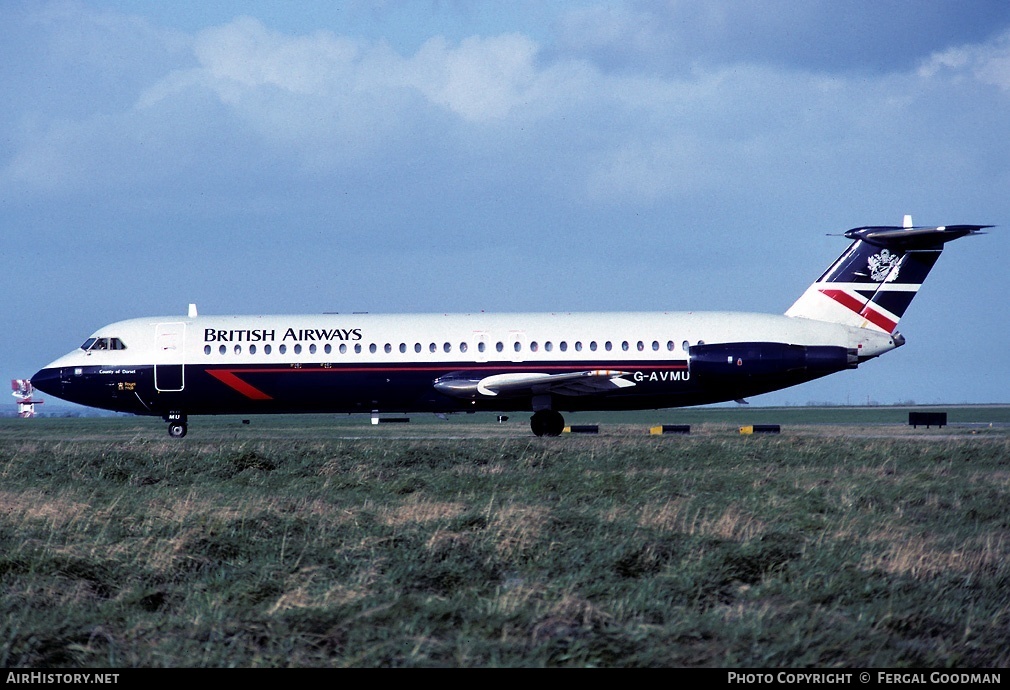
543	363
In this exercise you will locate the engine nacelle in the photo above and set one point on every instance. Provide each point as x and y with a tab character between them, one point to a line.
760	360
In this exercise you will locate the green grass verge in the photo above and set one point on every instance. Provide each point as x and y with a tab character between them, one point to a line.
257	545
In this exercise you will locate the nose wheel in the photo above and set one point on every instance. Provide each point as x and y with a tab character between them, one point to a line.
547	423
176	424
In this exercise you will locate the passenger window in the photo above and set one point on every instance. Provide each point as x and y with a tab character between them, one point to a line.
206	349
592	345
447	347
462	347
298	349
357	348
433	348
388	348
403	348
563	346
480	346
641	346
533	346
238	349
417	347
655	345
624	346
327	348
499	346
343	348
282	349
578	346
518	346
222	350
608	346
267	349
669	345
252	349
548	346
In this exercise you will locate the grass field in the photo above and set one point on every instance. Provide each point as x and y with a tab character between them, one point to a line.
310	541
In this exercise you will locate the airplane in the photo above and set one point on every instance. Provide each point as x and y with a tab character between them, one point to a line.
544	363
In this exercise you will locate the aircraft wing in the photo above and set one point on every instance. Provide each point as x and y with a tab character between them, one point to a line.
534	383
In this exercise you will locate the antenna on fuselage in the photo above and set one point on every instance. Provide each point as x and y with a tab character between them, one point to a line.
192	310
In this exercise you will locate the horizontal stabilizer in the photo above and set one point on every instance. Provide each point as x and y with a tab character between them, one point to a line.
913	237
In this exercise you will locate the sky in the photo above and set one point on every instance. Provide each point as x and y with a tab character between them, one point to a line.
458	156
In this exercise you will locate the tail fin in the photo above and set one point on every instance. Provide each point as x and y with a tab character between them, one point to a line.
874	281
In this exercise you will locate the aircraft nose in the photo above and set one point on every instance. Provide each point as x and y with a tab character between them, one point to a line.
49	380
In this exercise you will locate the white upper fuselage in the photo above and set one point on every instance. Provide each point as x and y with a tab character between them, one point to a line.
430	338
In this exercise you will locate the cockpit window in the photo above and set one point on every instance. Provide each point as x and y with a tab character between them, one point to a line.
92	344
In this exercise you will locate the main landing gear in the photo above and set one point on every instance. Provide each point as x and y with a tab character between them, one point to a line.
547	423
176	424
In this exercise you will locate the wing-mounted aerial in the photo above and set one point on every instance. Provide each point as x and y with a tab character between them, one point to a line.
591	382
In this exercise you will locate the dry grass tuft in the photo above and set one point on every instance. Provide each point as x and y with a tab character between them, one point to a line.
681	517
58	511
921	557
419	510
517	528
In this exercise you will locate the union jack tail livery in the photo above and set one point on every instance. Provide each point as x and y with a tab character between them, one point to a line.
873	282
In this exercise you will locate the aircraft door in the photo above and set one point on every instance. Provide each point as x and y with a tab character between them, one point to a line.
169	341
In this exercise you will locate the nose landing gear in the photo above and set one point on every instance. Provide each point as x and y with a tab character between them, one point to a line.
176	424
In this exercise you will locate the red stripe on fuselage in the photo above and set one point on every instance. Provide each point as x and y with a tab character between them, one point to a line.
229	379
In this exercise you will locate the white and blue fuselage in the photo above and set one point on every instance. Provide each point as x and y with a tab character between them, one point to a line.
436	362
541	362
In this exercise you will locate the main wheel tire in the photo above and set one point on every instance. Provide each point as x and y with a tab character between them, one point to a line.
538	424
547	423
555	424
176	429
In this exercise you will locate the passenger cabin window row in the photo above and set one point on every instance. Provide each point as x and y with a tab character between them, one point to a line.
447	347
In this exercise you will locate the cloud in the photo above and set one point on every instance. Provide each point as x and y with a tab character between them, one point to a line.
988	63
335	100
480	79
859	36
248	103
